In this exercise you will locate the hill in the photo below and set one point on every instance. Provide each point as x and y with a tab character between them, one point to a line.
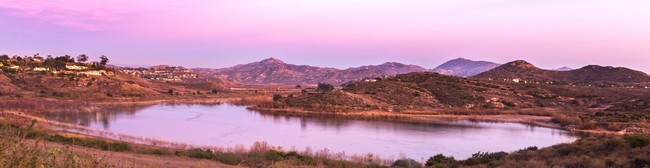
63	78
464	67
274	71
588	75
425	92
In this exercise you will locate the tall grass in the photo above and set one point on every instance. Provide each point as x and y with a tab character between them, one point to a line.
16	150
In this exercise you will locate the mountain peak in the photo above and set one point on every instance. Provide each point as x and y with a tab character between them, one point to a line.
464	67
272	60
521	64
460	59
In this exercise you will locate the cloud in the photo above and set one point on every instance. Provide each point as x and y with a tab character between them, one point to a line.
80	14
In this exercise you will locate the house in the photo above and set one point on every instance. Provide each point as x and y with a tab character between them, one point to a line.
1	65
38	60
41	69
14	67
75	67
93	73
516	80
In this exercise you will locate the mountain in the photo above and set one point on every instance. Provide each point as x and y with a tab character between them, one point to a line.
464	67
563	69
274	71
592	74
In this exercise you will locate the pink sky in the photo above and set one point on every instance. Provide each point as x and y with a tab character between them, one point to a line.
216	33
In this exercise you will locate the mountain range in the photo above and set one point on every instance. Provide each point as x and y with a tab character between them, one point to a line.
274	71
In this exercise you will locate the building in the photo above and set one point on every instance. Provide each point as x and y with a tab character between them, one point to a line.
38	60
75	67
93	73
41	69
516	80
1	65
14	67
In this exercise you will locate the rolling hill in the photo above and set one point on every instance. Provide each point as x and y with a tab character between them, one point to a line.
588	75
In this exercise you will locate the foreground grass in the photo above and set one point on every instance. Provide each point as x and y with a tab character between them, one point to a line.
21	145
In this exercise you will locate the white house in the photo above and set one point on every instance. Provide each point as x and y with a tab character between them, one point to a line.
516	80
92	73
1	65
41	69
75	67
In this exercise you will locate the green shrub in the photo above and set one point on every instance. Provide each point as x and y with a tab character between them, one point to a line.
228	158
200	153
406	163
637	141
440	160
484	158
274	155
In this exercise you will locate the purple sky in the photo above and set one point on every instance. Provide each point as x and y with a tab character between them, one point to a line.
333	33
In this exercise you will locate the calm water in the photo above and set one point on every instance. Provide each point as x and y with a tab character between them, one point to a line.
227	125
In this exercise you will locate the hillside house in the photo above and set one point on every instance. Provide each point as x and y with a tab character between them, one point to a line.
38	60
16	67
41	69
75	67
93	73
516	80
1	65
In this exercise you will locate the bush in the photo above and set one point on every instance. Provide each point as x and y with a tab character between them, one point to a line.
274	155
277	97
638	141
324	87
215	91
484	158
120	146
406	163
440	160
200	153
227	158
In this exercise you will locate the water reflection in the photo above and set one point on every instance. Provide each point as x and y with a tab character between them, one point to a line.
227	125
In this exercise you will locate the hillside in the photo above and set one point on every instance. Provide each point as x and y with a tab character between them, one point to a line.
588	75
464	67
63	78
425	92
274	71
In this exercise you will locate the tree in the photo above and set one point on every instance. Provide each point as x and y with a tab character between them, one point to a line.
215	91
277	97
171	92
324	87
4	57
82	58
298	87
103	60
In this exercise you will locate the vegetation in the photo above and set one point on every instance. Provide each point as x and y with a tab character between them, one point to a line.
572	107
324	87
23	146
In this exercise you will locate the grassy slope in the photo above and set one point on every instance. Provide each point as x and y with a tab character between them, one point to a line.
582	106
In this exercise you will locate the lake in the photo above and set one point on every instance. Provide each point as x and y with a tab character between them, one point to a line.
227	125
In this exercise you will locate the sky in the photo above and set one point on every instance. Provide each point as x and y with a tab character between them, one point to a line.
332	33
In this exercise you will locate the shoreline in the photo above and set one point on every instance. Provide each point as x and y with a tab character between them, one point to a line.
420	117
540	121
